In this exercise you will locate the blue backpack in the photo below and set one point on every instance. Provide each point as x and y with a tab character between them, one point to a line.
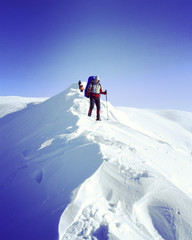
90	79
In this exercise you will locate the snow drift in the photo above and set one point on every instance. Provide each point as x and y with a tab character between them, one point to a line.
128	177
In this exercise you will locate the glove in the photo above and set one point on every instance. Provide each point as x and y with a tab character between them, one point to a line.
105	92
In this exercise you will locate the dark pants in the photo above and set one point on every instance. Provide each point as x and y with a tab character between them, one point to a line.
93	101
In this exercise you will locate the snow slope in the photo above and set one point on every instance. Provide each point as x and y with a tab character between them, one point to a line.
10	104
128	177
41	163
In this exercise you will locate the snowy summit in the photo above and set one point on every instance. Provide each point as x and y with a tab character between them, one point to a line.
65	176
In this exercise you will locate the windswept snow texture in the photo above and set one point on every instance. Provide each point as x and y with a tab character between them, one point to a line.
66	176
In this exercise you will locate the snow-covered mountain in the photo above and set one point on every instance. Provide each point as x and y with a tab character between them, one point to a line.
64	175
11	104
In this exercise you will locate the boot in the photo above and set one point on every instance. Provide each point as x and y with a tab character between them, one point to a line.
89	113
98	116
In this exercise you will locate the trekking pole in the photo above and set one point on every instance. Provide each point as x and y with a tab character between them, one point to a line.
107	108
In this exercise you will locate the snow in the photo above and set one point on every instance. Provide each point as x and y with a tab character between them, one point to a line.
128	177
10	104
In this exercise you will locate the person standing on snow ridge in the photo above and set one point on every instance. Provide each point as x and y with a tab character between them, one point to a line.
94	89
81	88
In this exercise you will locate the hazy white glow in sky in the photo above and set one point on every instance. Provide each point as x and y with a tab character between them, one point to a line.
142	50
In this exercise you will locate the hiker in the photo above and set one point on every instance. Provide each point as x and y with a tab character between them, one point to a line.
81	88
94	90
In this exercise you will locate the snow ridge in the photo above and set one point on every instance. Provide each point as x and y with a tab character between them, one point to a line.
142	189
40	166
128	177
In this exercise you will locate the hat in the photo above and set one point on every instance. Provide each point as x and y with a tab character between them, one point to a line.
97	78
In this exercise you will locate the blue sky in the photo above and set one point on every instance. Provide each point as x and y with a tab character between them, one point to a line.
141	49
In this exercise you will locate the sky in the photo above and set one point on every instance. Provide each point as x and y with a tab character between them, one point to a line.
140	49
